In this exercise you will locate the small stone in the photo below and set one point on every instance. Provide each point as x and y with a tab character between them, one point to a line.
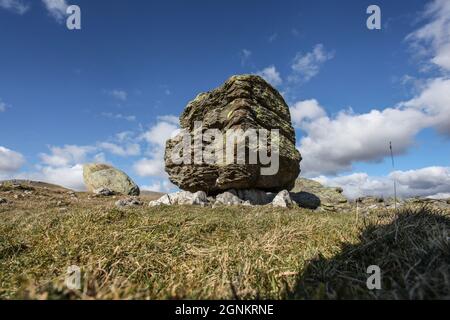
128	202
103	192
228	198
164	200
283	200
182	198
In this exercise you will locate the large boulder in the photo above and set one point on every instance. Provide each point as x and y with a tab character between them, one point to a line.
242	102
103	176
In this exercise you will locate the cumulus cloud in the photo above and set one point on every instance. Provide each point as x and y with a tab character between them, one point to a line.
307	110
306	66
271	75
67	155
332	144
10	161
434	101
16	6
131	149
159	186
432	182
56	8
156	137
433	39
68	176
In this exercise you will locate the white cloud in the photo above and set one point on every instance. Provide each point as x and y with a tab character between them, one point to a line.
68	176
306	110
159	186
434	101
16	6
271	75
433	39
153	167
119	94
2	106
68	155
161	131
307	66
332	144
431	182
10	161
273	37
245	55
119	116
131	149
56	8
156	136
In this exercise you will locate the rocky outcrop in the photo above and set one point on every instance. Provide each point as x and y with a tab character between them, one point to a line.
103	176
311	194
243	102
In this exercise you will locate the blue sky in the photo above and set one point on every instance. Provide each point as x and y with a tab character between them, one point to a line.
110	91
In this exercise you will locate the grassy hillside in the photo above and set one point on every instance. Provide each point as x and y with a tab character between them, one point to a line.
191	252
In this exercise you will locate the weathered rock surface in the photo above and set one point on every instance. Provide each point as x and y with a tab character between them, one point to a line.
98	176
228	198
242	102
311	194
103	192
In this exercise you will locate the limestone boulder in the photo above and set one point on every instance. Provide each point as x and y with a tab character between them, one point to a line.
106	177
246	103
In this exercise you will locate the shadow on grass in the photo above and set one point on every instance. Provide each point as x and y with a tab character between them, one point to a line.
413	253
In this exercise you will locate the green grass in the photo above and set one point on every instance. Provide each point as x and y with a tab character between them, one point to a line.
221	253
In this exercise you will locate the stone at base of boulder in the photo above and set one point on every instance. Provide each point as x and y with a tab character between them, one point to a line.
283	200
103	192
181	198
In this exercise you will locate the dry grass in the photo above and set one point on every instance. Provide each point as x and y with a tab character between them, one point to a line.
221	253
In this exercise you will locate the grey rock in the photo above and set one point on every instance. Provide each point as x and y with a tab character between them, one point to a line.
98	176
307	200
283	200
182	198
103	192
128	202
311	194
164	200
242	102
228	198
254	196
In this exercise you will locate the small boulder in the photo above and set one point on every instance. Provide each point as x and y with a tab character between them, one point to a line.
97	176
182	198
283	200
228	198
